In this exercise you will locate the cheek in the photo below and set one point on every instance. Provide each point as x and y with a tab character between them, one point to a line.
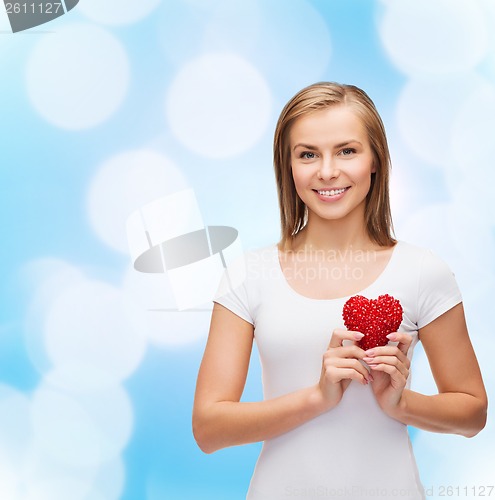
300	182
296	175
366	171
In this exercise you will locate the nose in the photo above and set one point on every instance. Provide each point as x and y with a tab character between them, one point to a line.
327	169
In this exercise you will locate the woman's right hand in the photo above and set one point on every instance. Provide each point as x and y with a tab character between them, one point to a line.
341	365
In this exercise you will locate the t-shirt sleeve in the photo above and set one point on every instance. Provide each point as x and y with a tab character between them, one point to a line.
438	290
233	293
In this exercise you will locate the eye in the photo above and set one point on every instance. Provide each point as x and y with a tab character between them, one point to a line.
348	151
307	155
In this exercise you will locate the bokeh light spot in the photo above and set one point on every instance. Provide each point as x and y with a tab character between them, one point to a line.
117	12
434	38
125	183
77	77
218	105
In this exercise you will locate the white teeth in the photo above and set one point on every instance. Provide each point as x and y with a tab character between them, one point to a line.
332	192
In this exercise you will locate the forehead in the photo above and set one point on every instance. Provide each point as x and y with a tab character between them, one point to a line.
335	124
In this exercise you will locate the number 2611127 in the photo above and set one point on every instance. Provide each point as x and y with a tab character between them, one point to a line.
33	7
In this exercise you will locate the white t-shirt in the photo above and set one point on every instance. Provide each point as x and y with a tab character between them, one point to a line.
355	450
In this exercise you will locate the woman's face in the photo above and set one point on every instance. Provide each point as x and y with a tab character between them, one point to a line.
331	161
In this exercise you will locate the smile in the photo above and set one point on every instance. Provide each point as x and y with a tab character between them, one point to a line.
331	192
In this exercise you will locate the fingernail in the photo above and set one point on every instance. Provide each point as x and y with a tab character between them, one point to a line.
392	336
370	377
369	352
358	335
368	360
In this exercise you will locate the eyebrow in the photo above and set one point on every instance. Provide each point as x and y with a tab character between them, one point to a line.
305	146
337	146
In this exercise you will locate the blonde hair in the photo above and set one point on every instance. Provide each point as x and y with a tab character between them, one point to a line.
378	218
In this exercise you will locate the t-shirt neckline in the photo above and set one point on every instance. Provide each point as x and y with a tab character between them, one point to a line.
360	292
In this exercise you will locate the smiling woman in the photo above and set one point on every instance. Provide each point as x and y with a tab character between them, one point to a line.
346	124
330	405
325	168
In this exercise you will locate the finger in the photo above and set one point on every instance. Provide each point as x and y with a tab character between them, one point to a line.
397	379
339	335
391	361
404	340
348	363
339	374
388	350
348	351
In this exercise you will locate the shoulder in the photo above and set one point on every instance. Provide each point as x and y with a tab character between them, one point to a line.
411	252
419	259
429	280
418	255
262	254
260	259
422	271
249	267
243	280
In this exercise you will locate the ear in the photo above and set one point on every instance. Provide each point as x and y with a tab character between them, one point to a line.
373	168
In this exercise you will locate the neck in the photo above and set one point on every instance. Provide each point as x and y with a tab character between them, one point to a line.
339	234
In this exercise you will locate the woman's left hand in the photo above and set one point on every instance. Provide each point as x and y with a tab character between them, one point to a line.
390	368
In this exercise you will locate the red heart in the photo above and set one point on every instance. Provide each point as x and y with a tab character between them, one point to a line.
376	318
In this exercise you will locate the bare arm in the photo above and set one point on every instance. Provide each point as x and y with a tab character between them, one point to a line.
460	406
221	420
